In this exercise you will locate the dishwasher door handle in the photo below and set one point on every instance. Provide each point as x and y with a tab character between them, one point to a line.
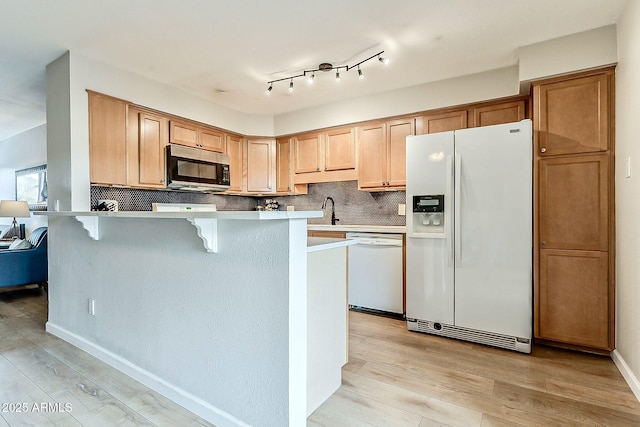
378	242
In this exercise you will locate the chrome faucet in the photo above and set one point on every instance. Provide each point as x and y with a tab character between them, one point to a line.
333	209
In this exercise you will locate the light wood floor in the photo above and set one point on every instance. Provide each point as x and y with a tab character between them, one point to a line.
399	378
393	378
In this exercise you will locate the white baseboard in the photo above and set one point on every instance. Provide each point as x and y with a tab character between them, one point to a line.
186	400
626	372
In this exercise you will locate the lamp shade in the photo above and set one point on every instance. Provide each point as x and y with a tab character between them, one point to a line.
14	209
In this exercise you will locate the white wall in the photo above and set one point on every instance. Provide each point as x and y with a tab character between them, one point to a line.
580	51
223	334
492	84
627	355
22	151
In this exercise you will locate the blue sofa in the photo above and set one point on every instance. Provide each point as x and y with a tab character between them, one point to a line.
26	266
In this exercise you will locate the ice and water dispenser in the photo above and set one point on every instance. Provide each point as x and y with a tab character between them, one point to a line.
428	214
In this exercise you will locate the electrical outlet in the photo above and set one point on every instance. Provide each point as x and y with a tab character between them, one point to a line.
402	209
92	306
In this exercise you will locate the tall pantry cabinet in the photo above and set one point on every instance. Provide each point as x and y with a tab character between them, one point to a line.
574	234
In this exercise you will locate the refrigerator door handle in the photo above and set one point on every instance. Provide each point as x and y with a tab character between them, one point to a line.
457	209
447	208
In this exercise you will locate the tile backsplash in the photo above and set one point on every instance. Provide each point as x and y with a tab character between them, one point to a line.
351	205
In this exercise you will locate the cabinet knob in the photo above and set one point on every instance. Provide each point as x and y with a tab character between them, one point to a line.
162	180
543	150
543	243
317	168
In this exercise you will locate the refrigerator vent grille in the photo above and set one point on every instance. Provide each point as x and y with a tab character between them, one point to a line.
481	337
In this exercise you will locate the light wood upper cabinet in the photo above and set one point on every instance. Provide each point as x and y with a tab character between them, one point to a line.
382	154
496	114
284	178
261	165
195	135
573	116
372	155
340	150
573	303
307	153
183	133
212	139
147	138
325	156
107	140
574	202
441	122
234	151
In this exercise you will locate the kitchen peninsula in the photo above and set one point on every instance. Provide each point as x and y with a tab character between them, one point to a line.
240	319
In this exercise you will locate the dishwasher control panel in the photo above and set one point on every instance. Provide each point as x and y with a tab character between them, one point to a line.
428	213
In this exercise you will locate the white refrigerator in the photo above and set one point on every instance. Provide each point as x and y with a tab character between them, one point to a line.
469	235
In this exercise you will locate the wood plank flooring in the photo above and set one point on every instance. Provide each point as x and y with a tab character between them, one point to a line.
394	378
37	368
399	378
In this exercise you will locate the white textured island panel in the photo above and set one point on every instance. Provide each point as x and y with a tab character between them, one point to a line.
223	336
205	223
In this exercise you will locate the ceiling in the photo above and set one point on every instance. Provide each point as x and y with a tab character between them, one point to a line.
226	51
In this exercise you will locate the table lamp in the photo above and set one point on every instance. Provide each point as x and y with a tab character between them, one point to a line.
15	209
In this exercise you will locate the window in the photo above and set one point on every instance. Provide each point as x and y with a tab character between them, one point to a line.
31	186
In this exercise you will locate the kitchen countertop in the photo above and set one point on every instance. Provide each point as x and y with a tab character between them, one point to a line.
315	244
359	228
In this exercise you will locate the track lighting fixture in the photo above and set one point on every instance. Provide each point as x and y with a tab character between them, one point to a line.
325	66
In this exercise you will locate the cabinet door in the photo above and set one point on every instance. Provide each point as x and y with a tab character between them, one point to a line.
340	150
183	133
508	112
307	153
211	139
151	150
443	122
107	140
574	202
397	132
372	155
573	298
572	116
283	165
234	151
261	165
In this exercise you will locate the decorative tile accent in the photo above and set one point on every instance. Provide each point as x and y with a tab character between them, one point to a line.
132	199
353	207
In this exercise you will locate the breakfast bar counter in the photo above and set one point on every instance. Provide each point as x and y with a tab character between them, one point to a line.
252	332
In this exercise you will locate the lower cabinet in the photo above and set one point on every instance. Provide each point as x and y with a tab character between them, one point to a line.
573	305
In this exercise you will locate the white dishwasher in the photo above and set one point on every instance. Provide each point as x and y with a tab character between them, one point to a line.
375	273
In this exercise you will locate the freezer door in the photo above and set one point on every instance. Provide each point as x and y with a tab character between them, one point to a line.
429	257
493	229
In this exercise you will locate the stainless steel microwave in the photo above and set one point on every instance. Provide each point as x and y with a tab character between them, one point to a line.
193	169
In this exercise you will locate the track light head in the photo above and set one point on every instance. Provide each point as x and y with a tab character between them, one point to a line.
337	75
311	78
385	61
269	89
360	75
291	86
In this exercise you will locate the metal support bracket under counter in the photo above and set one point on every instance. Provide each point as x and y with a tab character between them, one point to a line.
205	223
